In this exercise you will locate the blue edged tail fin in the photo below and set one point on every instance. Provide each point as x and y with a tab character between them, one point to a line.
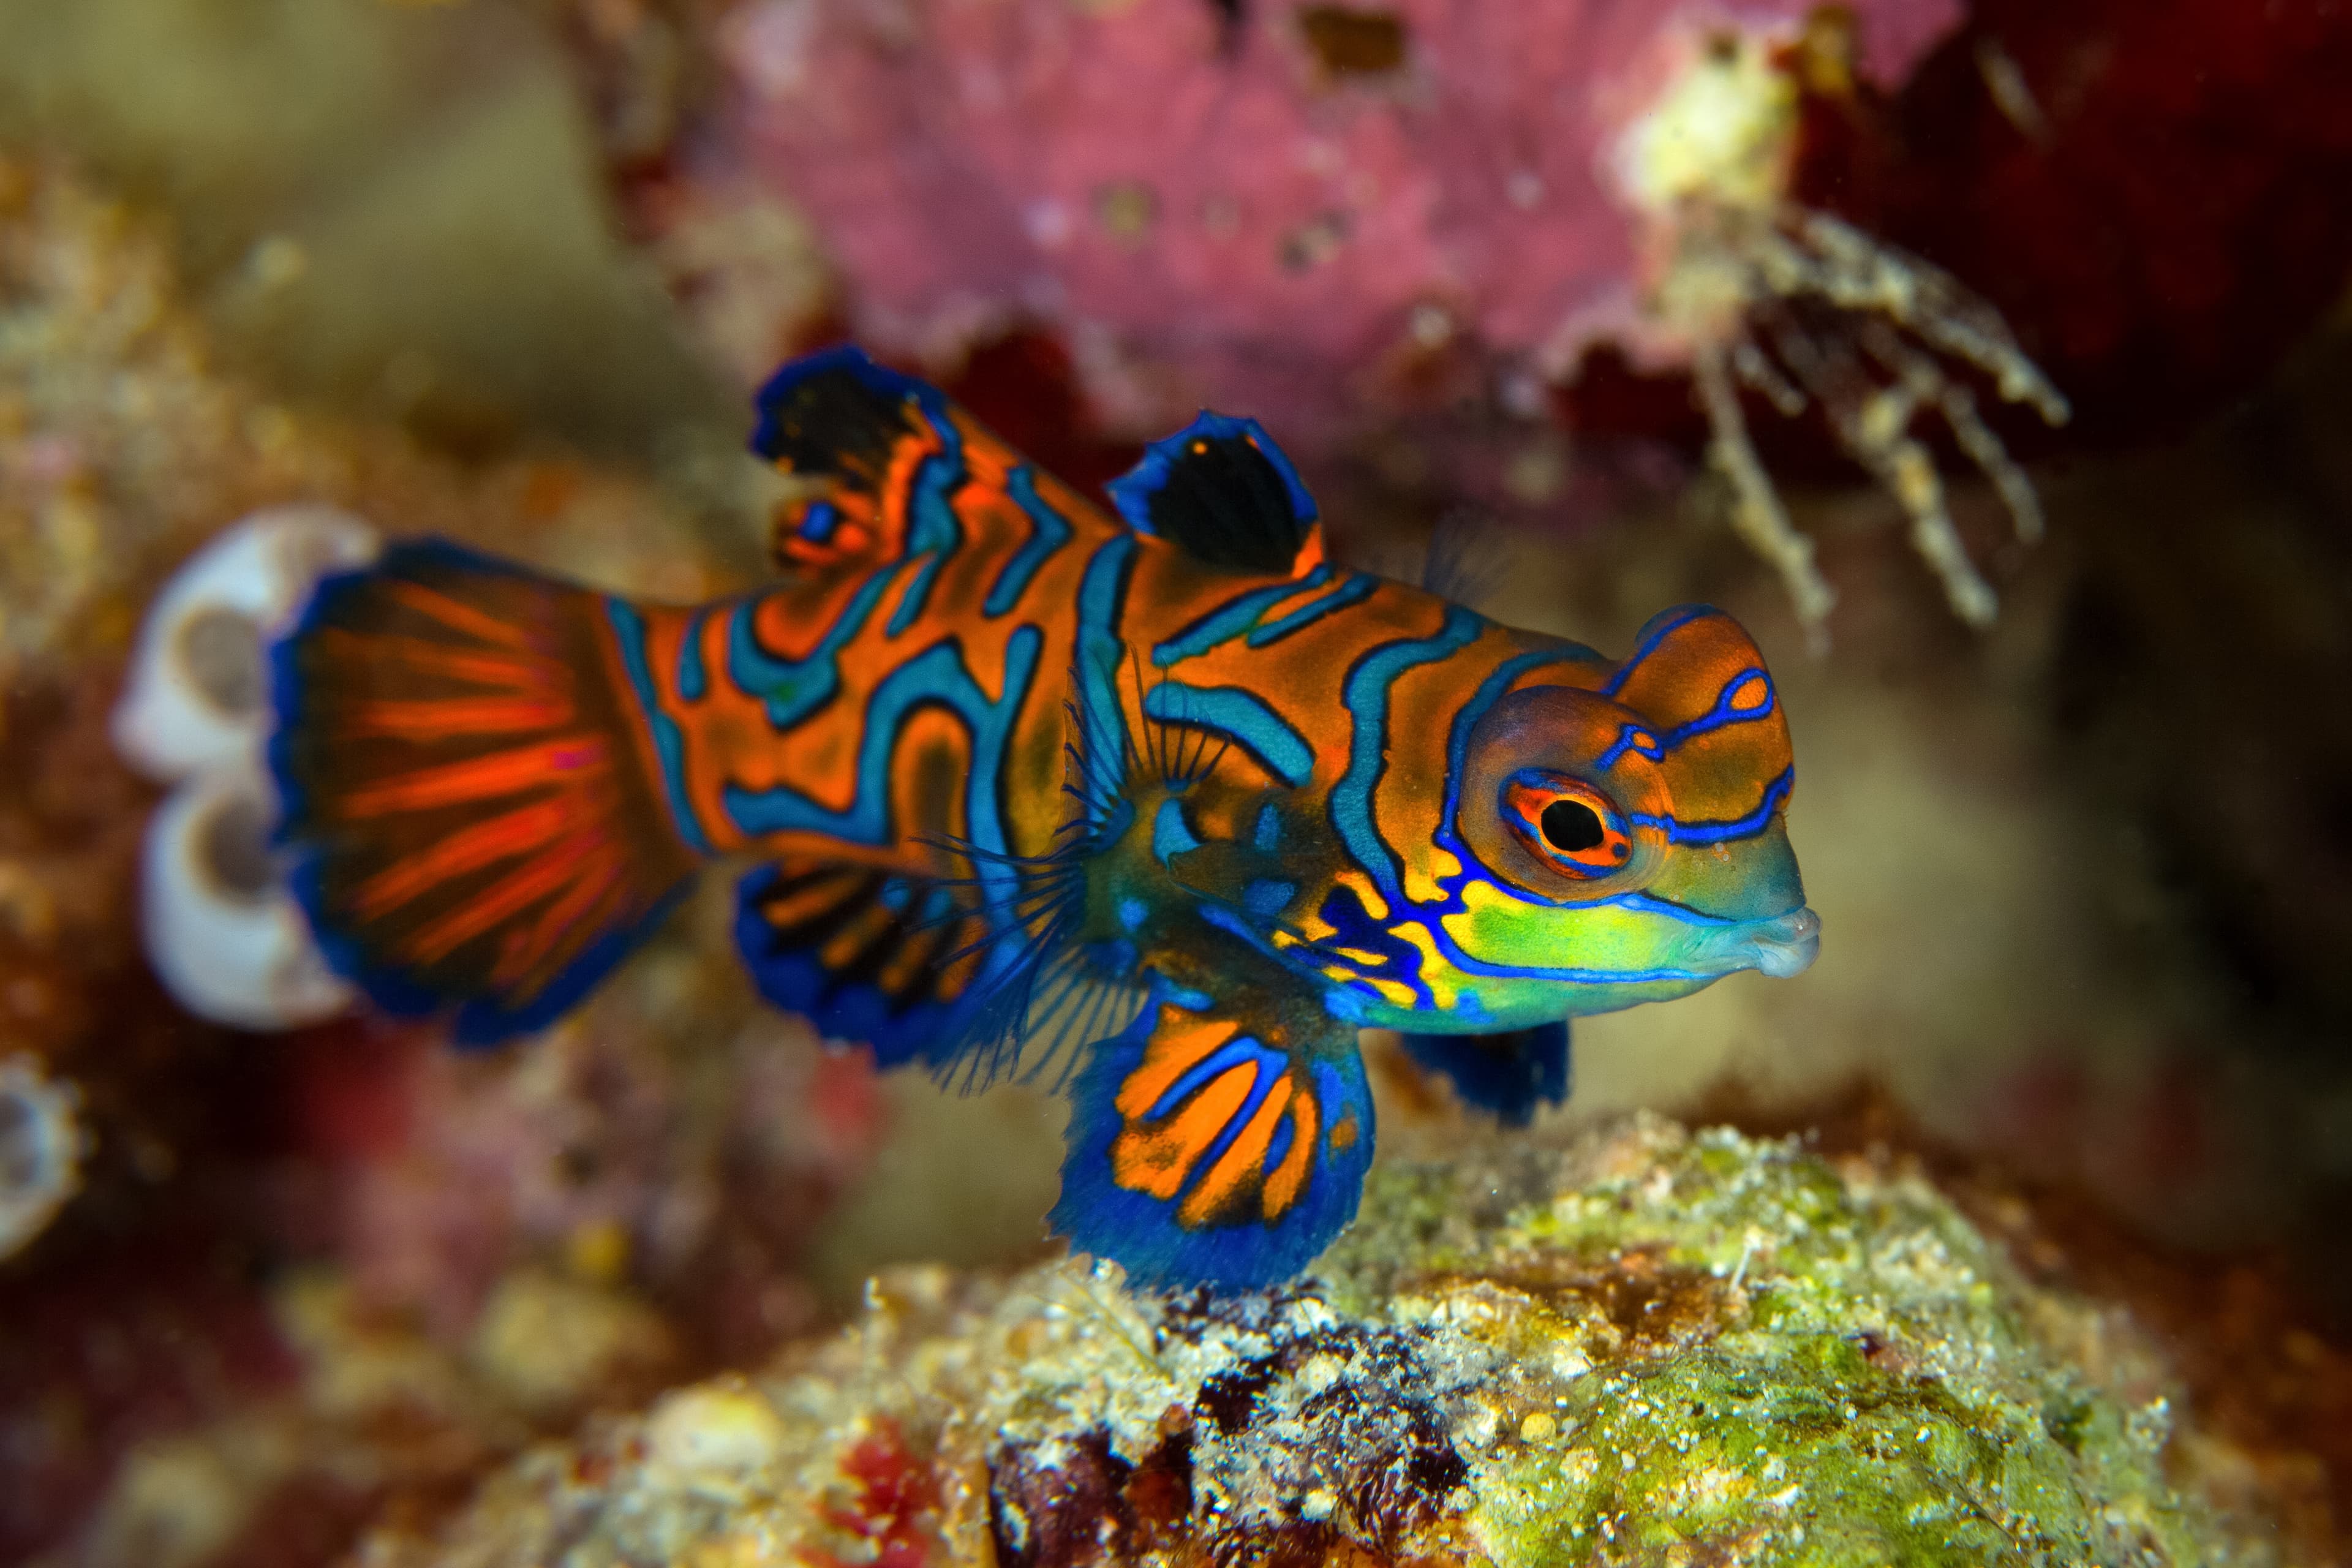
470	789
1510	1073
1208	1147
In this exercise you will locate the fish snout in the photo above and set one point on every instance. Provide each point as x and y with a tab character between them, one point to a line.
1782	946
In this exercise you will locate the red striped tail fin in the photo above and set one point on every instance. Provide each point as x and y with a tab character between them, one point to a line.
468	787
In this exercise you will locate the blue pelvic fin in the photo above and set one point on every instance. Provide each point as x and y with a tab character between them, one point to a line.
1209	1147
1510	1074
1223	490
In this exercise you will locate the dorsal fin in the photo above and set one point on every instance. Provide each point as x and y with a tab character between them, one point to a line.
1222	489
875	449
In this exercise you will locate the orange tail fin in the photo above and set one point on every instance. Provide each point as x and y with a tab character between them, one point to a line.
475	808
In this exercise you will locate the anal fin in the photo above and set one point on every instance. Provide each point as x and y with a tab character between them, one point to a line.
865	954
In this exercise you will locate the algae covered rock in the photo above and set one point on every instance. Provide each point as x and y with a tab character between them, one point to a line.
1655	1347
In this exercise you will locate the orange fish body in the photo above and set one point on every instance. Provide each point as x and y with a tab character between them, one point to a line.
1162	805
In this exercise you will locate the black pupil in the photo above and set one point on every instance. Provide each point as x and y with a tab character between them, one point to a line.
1571	826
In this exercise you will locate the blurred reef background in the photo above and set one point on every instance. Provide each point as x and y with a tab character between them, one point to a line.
2022	1242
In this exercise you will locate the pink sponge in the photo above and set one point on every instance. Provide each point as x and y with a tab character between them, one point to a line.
1267	206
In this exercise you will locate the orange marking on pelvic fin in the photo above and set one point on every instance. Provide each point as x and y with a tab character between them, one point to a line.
1240	1166
1155	1160
433	717
486	843
477	778
1343	1132
905	965
865	925
1282	1188
956	975
1174	1050
456	615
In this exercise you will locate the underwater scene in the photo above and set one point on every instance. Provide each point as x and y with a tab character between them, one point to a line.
1187	783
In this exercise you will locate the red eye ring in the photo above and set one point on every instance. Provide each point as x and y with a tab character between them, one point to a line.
1571	824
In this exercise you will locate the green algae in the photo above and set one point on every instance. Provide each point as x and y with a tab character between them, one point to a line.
1653	1347
1856	1380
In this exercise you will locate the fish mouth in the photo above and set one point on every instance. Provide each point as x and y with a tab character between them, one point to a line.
1781	947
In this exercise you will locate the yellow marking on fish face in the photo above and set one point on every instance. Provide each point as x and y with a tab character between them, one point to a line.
1496	928
1375	906
1426	866
1437	972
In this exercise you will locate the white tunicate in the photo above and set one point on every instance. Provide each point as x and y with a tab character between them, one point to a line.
198	691
41	1149
223	932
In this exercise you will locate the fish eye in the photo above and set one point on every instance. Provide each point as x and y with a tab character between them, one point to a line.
1569	825
1568	822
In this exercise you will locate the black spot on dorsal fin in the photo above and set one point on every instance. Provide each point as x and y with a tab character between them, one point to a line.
1222	489
835	414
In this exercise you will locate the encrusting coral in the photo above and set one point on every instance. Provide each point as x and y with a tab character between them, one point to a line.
1658	1347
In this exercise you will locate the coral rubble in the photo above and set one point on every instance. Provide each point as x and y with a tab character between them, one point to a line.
1658	1347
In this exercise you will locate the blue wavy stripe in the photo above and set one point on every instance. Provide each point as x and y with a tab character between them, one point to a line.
1232	618
1746	826
1354	591
1280	749
935	678
1366	695
1490	692
1722	712
1662	626
793	688
629	632
693	675
1048	532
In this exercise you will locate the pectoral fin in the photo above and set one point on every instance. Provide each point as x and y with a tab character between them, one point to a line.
1213	1145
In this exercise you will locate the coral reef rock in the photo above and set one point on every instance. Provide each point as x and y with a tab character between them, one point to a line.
1658	1346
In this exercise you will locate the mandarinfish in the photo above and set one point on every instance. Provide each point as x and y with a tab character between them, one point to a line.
1162	807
